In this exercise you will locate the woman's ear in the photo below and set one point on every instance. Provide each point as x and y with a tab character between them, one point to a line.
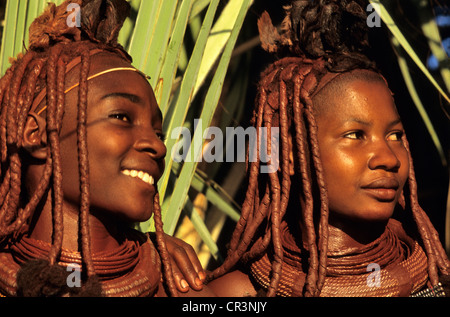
35	136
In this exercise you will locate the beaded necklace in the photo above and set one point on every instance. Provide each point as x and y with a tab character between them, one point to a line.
133	269
401	261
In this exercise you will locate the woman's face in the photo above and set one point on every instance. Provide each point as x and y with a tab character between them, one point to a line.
364	160
125	150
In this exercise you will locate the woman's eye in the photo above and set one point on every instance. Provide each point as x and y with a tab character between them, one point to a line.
356	135
396	136
120	116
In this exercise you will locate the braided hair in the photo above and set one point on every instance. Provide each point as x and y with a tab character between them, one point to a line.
52	44
317	38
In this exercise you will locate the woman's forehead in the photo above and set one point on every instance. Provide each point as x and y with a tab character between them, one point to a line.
105	60
111	73
334	91
108	73
360	101
98	62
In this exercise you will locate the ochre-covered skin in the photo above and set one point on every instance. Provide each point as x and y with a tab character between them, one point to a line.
344	162
81	153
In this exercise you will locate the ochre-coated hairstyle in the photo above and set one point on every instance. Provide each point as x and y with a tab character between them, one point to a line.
52	45
321	38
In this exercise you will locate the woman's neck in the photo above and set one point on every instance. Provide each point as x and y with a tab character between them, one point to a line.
343	233
346	234
103	235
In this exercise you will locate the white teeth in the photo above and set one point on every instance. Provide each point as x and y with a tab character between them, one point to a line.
145	177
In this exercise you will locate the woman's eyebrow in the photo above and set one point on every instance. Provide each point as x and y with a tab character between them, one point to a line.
131	97
360	121
395	122
367	123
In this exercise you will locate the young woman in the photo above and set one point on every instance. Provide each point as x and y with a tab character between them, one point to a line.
81	154
328	223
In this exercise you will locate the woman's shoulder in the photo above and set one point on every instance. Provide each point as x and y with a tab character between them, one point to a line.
233	284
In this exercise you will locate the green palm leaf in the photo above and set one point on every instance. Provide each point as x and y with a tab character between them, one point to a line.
396	32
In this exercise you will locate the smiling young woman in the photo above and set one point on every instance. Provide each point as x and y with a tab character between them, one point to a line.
81	154
315	227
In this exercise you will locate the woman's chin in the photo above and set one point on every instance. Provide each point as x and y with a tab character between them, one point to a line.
140	216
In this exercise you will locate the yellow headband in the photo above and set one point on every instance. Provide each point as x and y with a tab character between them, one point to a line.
97	75
69	67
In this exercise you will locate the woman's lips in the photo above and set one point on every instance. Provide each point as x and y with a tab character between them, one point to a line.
383	189
382	194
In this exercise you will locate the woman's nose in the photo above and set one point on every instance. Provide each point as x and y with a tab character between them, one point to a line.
149	142
384	157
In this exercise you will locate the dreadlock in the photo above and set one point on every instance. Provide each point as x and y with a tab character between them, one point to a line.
317	38
53	44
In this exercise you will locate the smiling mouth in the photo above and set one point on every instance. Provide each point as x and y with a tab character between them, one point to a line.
143	176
